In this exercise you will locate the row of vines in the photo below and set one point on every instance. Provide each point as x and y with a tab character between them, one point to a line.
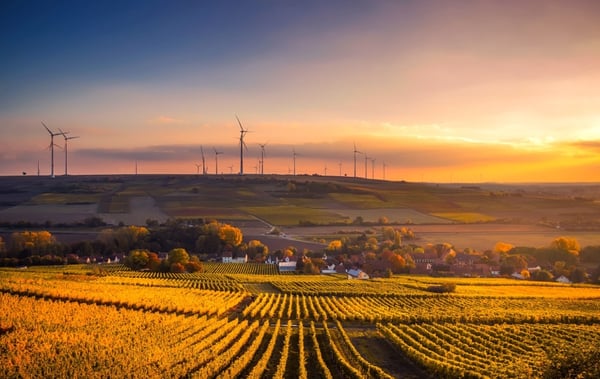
151	325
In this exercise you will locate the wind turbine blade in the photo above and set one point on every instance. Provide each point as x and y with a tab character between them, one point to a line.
240	123
46	128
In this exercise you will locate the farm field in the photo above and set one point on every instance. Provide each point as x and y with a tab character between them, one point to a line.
244	320
308	208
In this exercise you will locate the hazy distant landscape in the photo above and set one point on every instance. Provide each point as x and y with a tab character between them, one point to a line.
467	216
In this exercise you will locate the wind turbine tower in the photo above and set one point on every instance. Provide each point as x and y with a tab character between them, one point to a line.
217	160
52	134
262	157
384	166
67	138
373	168
203	161
242	145
355	152
366	159
294	154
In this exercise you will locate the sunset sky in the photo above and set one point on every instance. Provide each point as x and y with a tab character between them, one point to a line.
441	91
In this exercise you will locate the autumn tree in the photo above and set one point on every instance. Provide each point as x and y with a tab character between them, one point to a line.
503	247
29	243
569	244
137	259
334	246
178	255
194	265
257	250
230	235
125	238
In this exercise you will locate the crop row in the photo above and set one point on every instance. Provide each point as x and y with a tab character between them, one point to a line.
478	351
47	338
416	309
159	299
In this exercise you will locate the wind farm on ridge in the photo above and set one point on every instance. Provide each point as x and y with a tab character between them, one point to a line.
243	150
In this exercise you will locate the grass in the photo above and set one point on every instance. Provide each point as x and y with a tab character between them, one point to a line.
289	215
358	201
465	217
50	198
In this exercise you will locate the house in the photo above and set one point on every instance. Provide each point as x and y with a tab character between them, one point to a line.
330	269
227	257
287	266
563	279
357	274
425	262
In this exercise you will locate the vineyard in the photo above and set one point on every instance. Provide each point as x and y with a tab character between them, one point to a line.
250	322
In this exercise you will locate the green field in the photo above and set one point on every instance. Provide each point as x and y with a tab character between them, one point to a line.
244	320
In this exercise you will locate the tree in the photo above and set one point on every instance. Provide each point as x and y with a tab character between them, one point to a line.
177	267
335	245
512	263
542	276
569	244
388	233
257	250
503	247
311	268
178	255
125	238
578	275
230	235
450	258
194	266
137	259
32	243
154	262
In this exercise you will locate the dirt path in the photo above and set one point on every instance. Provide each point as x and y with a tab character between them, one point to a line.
378	351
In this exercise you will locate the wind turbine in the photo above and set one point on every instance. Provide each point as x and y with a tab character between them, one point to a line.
52	134
340	164
325	169
384	166
231	169
355	152
203	161
197	168
217	160
366	159
262	157
242	145
372	168
294	154
64	134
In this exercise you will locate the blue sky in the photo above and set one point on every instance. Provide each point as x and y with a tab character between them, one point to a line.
440	91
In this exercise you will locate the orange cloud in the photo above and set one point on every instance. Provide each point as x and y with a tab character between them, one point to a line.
166	120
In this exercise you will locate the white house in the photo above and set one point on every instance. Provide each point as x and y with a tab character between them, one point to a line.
357	274
329	270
